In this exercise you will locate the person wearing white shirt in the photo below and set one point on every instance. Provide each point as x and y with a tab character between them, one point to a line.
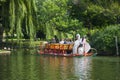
62	41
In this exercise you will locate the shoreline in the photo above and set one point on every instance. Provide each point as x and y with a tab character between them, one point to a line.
5	52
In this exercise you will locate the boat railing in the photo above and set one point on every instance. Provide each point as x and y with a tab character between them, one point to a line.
57	48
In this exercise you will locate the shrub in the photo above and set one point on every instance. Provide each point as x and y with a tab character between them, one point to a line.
104	39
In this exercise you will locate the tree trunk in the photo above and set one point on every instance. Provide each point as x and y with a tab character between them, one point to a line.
1	26
1	35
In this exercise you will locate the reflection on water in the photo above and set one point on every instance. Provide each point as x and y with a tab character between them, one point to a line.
58	68
24	66
82	67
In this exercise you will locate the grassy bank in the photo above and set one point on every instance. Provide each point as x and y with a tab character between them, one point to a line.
23	43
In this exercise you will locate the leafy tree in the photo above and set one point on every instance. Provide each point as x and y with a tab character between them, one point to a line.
67	25
104	40
19	17
96	13
54	16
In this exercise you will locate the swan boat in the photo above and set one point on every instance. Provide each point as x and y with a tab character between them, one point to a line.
56	49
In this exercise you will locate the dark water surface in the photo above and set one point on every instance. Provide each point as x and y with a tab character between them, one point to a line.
24	66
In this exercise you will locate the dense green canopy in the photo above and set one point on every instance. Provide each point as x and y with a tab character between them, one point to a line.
25	18
19	17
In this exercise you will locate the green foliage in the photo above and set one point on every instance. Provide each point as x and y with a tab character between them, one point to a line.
68	16
104	40
96	13
22	18
54	16
66	25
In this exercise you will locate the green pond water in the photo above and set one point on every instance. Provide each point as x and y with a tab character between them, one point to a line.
25	65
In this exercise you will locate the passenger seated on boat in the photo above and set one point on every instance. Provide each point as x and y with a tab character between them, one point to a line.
70	41
62	41
76	44
53	40
67	41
